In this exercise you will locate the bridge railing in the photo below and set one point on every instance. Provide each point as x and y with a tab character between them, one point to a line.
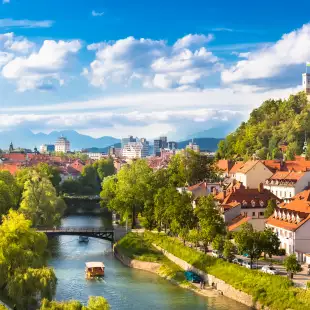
74	229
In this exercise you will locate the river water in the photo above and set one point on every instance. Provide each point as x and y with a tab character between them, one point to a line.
123	287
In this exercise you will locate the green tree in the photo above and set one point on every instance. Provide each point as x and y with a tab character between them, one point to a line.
14	189
23	274
94	303
90	180
292	265
104	167
218	243
131	190
40	203
229	250
270	242
193	236
271	206
71	186
210	220
6	200
249	241
48	171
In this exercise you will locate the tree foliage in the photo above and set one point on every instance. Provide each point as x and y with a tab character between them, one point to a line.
291	264
22	261
275	122
40	203
270	208
94	303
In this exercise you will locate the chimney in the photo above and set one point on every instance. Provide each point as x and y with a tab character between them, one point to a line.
261	187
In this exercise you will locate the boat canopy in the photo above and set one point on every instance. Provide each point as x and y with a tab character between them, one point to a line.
94	265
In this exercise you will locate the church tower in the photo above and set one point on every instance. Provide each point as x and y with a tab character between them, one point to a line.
11	148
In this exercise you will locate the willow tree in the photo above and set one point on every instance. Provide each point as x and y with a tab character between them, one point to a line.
23	274
130	190
40	203
94	303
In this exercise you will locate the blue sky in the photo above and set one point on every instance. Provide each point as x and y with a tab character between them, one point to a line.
146	67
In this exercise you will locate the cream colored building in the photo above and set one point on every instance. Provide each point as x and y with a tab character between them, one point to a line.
252	173
62	145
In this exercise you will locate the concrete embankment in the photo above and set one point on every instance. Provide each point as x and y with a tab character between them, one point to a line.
221	286
155	268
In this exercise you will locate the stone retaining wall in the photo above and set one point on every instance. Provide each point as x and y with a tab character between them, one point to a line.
137	264
226	289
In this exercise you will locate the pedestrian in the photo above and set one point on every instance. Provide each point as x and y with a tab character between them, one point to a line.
201	284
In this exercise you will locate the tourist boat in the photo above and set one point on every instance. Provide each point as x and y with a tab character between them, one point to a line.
83	239
94	269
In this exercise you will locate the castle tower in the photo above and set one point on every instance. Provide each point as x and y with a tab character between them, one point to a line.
306	82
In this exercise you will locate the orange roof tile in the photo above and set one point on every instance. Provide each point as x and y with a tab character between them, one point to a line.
11	167
238	223
284	224
224	165
15	157
248	166
236	167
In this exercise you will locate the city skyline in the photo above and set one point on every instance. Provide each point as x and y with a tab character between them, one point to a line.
109	69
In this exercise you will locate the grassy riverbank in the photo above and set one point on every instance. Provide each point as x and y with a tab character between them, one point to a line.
276	292
139	247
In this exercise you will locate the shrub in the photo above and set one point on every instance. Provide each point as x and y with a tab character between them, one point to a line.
281	252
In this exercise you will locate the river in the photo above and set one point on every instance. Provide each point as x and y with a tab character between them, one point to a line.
123	287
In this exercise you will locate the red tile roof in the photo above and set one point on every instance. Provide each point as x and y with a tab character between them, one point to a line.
248	166
291	176
15	157
11	167
224	165
238	221
236	167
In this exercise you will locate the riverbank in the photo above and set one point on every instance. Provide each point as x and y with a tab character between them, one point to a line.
268	291
137	252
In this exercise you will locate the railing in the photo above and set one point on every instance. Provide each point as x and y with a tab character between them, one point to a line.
75	229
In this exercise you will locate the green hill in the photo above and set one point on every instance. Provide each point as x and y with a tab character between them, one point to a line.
274	123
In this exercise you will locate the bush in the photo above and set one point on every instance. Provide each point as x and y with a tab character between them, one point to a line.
281	252
273	291
308	284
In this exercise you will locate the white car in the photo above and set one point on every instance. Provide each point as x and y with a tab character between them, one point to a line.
216	253
248	265
270	270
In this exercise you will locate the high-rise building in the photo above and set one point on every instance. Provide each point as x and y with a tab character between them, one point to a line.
127	140
62	145
172	145
164	142
160	144
136	149
47	148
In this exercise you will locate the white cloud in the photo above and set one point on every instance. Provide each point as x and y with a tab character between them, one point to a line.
5	1
94	13
292	49
155	63
192	40
40	70
25	23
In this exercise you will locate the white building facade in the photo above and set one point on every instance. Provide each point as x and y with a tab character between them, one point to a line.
287	184
133	150
62	145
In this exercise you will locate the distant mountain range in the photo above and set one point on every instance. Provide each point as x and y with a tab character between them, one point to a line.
25	138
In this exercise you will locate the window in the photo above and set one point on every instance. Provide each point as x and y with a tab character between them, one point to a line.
253	213
276	193
290	194
284	194
261	213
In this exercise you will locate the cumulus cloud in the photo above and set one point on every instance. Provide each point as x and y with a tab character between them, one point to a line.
40	70
291	50
96	14
191	40
25	23
155	63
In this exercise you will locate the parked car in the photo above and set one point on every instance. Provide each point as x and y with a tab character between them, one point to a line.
270	270
238	261
217	254
192	277
248	265
245	255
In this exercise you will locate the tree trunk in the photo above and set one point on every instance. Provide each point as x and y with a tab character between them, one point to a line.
133	222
